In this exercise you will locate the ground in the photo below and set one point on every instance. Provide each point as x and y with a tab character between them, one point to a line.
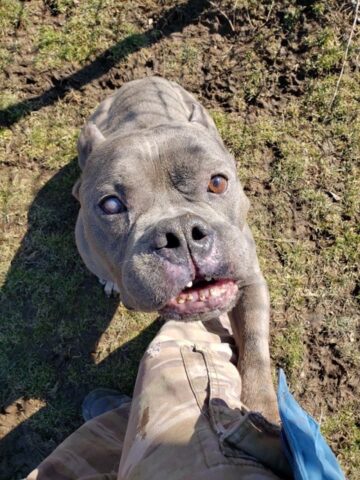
268	73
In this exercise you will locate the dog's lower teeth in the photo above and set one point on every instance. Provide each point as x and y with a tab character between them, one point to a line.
214	292
203	295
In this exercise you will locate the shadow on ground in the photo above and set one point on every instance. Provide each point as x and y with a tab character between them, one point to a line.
174	20
53	313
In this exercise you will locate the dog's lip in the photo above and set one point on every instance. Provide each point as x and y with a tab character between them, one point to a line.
204	296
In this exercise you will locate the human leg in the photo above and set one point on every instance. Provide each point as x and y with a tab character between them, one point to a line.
187	420
91	452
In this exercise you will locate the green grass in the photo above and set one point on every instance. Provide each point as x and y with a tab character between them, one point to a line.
89	27
346	422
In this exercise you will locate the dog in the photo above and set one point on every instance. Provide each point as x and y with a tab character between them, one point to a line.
162	221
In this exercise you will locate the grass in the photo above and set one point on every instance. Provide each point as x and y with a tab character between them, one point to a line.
298	162
83	34
345	421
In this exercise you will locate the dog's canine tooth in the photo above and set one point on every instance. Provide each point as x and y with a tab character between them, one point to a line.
207	278
189	285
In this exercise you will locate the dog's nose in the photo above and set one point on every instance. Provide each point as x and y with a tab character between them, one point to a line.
176	236
199	235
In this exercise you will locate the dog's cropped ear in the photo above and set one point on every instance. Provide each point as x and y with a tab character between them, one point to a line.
76	188
90	136
200	115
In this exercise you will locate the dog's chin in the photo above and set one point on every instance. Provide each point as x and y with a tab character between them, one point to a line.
202	302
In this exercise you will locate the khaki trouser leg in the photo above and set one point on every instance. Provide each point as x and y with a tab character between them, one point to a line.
91	453
186	420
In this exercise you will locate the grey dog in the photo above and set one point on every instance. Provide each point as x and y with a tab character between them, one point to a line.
163	220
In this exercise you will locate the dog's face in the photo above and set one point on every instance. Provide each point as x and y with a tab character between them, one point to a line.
165	212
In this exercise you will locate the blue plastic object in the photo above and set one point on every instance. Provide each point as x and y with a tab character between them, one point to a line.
308	453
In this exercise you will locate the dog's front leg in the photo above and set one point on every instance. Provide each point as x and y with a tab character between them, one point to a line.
250	324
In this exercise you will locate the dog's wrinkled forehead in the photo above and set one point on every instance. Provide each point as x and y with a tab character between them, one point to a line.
166	158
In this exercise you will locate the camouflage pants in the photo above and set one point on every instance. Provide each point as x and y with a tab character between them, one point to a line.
185	421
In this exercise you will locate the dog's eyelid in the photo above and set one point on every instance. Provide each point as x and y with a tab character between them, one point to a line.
220	174
111	195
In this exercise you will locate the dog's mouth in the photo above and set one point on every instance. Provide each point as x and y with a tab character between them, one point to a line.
201	296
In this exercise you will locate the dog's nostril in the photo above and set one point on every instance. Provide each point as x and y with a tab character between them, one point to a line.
172	241
197	234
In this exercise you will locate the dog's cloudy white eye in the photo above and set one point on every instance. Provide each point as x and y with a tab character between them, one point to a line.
217	184
112	205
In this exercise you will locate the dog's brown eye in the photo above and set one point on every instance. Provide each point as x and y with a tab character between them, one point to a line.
112	205
217	184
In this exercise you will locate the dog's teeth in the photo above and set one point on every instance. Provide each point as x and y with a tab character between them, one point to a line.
189	285
202	295
208	279
180	300
214	292
190	297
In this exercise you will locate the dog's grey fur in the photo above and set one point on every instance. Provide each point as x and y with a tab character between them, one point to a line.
154	146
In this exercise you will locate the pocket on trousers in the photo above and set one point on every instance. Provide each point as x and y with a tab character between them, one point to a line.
241	435
253	434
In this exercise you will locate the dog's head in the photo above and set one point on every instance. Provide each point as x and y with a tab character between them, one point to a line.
165	213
